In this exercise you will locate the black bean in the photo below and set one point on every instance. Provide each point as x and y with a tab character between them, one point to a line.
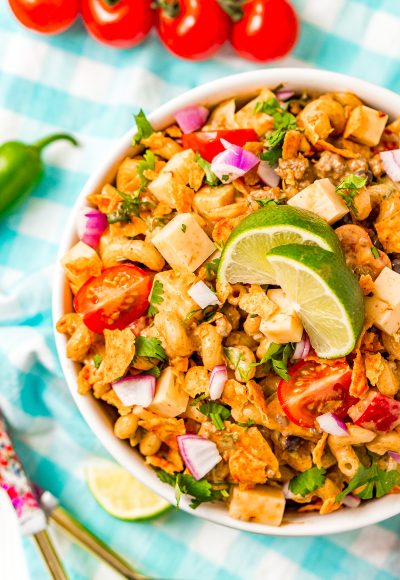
292	443
396	265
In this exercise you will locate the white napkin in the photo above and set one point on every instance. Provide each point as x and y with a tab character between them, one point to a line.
12	558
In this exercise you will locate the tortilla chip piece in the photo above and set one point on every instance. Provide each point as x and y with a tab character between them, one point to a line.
366	284
246	401
166	429
319	450
325	146
359	383
257	302
311	507
161	145
253	460
119	352
171	463
370	342
374	365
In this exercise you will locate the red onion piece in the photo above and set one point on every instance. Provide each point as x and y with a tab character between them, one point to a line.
199	455
268	174
233	162
191	118
332	424
302	348
395	456
351	501
137	390
91	224
202	295
391	163
218	378
284	94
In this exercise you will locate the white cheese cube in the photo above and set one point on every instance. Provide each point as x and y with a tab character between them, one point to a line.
387	287
365	125
263	505
183	243
284	303
321	198
176	171
282	328
382	315
170	400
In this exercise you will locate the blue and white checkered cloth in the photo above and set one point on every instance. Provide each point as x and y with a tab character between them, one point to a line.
72	83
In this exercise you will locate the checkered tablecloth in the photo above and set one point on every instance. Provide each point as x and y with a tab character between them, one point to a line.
72	83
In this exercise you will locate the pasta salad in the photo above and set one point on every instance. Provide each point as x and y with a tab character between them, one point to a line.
237	302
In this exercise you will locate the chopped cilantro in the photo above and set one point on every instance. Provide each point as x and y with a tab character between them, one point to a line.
198	398
131	206
207	313
308	481
372	481
201	490
155	371
272	155
149	162
266	202
348	189
212	268
247	425
225	177
216	412
149	348
283	122
97	360
144	128
183	228
375	252
165	477
211	178
276	356
156	297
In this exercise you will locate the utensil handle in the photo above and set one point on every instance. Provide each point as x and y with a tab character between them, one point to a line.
50	556
91	543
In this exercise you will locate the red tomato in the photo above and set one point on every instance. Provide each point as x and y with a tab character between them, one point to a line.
208	143
197	31
377	412
315	389
47	16
115	298
119	23
267	31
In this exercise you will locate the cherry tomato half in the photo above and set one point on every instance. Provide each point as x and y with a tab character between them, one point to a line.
46	16
119	23
267	31
208	143
196	31
315	389
377	412
115	298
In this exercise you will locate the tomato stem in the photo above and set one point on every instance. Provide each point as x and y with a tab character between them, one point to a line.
171	8
234	8
112	2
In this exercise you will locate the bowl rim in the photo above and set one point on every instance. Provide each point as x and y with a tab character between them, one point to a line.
299	525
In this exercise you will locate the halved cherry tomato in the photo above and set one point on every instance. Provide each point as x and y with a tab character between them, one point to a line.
115	298
46	16
377	412
315	389
208	143
192	29
119	23
267	31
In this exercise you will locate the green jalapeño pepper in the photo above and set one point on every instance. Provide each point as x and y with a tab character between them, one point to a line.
21	168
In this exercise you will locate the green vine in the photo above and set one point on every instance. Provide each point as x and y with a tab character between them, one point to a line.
234	8
171	8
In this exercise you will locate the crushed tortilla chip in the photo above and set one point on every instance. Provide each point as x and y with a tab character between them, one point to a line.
359	383
319	450
310	507
246	401
162	145
323	145
366	284
166	429
257	302
253	459
374	365
119	352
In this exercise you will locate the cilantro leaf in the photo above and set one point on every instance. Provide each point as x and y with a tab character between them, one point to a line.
131	206
200	490
308	481
375	252
277	357
206	314
166	477
156	297
272	155
211	178
212	268
155	372
283	122
266	202
149	162
97	360
369	479
348	189
144	127
247	425
149	348
216	412
183	228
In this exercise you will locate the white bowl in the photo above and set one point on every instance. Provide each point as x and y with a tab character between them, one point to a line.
96	415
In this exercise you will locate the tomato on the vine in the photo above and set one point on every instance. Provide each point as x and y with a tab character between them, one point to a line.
268	30
192	29
46	16
119	23
115	298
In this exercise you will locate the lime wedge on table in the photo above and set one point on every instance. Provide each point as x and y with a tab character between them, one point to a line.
120	494
326	293
244	257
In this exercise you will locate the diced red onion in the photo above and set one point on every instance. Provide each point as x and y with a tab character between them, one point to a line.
232	163
91	224
218	378
202	295
137	390
199	455
268	174
284	94
302	348
191	118
332	424
351	501
395	456
391	163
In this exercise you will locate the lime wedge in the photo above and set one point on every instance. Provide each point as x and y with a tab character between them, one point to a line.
244	257
326	293
120	494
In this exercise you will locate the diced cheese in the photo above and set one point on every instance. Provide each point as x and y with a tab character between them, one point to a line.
284	303
170	400
321	198
183	243
382	315
263	505
176	171
387	287
365	125
283	326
